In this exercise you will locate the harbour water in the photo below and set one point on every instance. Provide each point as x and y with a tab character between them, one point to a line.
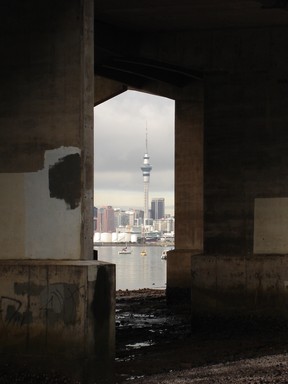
134	271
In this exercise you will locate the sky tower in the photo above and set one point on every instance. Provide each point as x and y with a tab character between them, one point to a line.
146	168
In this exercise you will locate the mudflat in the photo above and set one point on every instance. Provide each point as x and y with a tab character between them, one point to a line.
156	343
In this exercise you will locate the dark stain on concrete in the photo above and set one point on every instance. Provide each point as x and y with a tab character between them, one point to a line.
65	180
101	311
27	289
101	301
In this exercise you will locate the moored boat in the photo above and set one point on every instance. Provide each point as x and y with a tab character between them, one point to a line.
124	251
164	255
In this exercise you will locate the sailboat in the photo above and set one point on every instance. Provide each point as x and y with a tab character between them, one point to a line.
125	251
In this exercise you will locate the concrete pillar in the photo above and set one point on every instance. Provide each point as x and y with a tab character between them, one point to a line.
65	300
58	315
46	136
188	195
189	175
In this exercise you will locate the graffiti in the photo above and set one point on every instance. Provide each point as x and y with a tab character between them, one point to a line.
10	312
60	302
55	303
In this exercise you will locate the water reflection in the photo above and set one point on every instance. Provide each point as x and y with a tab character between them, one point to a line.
134	271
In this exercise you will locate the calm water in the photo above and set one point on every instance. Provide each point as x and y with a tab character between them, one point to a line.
134	271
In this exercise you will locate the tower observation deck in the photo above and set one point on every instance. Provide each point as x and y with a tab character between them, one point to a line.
146	169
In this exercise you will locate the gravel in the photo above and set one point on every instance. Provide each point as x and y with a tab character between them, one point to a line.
261	370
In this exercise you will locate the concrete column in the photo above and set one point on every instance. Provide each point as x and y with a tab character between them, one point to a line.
59	315
188	196
87	112
65	302
189	175
46	135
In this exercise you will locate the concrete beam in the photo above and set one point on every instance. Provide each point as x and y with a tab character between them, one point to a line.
105	89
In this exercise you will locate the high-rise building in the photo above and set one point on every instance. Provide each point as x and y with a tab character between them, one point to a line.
121	218
146	169
95	214
105	219
158	208
139	217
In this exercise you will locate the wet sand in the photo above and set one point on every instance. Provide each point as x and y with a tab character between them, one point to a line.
156	344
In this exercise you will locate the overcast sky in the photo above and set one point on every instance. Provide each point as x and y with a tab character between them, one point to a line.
120	144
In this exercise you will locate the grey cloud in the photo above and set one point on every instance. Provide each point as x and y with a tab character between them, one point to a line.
120	130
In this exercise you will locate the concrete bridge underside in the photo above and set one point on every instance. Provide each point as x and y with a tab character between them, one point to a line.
225	65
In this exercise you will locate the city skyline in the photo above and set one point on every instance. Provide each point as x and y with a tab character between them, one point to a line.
120	130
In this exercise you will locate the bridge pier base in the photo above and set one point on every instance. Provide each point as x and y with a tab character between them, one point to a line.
59	316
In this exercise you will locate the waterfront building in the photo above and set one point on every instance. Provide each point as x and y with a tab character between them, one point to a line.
165	225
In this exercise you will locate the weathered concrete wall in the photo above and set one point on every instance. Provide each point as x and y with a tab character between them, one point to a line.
179	275
271	225
237	285
46	135
41	219
52	313
105	89
59	312
245	134
245	118
245	161
189	173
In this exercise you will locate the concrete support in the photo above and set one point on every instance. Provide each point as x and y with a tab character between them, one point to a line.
105	89
56	304
231	287
188	195
58	315
46	119
87	119
189	174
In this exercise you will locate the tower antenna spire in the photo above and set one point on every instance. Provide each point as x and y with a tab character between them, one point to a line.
146	138
146	169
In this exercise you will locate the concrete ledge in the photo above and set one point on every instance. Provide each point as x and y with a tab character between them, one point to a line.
256	285
58	310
